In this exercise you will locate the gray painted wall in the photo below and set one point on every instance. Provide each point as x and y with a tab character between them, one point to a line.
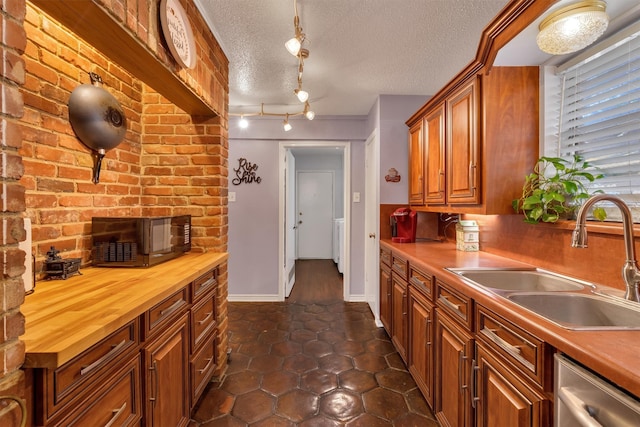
253	217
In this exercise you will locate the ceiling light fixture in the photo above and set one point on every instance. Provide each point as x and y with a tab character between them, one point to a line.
573	27
287	125
294	44
295	47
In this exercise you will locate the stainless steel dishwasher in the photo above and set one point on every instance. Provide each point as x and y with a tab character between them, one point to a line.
582	399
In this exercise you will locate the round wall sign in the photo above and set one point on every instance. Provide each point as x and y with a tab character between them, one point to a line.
177	32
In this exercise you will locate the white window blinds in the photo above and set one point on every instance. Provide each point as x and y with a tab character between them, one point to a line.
600	117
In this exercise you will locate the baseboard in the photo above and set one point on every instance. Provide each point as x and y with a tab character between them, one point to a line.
357	298
253	298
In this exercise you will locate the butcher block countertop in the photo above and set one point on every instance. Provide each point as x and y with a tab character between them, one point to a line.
614	354
65	317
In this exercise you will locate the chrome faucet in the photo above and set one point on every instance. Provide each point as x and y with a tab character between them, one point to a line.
630	270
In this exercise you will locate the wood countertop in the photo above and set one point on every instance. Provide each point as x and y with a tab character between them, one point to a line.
614	354
65	317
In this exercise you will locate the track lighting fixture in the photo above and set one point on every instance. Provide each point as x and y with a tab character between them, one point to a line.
301	94
294	46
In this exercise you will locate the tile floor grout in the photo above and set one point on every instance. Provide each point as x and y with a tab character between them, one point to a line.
315	364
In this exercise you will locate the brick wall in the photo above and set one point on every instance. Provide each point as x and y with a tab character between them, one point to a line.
12	75
169	162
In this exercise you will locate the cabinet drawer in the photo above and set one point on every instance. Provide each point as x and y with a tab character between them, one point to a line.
385	256
75	373
116	403
203	319
400	266
169	308
455	303
204	284
202	366
421	281
519	348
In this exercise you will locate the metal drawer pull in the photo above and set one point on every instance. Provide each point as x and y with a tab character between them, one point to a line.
448	303
207	283
501	342
116	414
209	362
415	279
578	408
173	307
474	383
154	368
206	318
428	328
114	350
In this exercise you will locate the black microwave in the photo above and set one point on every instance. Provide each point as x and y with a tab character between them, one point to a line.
139	241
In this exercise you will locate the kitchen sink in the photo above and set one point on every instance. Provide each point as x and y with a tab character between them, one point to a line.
581	311
513	280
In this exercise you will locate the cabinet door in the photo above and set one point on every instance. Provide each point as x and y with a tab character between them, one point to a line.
416	165
167	379
454	351
420	343
399	313
505	399
434	134
462	145
385	297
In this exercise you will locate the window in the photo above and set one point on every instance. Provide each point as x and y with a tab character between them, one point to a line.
598	117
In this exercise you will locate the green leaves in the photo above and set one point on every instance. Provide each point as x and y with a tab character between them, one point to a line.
556	189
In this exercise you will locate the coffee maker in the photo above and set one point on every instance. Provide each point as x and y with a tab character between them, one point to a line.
403	225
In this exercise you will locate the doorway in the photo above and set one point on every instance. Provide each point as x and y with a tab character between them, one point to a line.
315	214
291	231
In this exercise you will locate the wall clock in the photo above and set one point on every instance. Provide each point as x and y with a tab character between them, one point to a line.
177	32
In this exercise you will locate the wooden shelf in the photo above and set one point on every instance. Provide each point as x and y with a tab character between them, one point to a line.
96	26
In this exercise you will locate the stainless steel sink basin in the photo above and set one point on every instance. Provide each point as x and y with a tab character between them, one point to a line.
581	311
519	280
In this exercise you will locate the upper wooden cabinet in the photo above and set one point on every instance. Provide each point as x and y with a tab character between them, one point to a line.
479	142
416	165
434	148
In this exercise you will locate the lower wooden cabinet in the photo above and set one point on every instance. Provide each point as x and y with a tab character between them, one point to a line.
385	297
503	398
150	372
421	342
117	403
167	388
399	322
454	352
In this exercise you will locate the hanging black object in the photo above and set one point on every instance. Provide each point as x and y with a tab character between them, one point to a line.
97	119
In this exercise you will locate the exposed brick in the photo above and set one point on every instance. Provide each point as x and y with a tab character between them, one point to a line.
58	186
12	101
12	66
10	134
11	166
45	232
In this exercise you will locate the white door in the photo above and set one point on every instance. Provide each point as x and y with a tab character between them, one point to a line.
371	226
290	222
315	214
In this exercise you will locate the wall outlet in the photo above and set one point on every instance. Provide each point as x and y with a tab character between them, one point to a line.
231	196
356	197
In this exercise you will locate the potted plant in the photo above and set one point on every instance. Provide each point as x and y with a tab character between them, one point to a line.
555	190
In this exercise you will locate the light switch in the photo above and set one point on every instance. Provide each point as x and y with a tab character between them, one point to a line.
232	196
356	197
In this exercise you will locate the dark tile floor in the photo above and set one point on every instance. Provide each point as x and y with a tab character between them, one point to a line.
311	364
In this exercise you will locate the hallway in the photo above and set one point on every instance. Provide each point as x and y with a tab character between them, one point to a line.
313	360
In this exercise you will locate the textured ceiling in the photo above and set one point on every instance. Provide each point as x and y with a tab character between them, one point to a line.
359	49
